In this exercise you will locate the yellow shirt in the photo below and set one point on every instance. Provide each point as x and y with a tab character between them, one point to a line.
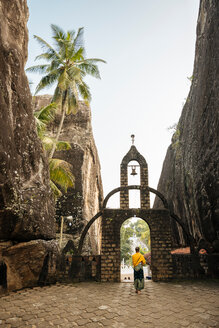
138	258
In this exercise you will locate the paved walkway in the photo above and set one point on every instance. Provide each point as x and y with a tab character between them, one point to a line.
94	305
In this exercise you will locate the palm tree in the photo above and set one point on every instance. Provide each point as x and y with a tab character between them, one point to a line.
67	68
60	170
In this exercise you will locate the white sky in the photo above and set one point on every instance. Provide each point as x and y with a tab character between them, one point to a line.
149	49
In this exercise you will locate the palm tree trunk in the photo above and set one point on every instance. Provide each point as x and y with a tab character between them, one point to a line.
60	125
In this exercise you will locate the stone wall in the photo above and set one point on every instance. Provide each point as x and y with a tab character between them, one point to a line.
189	266
190	174
160	234
26	202
80	268
85	200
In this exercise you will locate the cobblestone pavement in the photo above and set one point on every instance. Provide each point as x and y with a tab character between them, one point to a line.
94	305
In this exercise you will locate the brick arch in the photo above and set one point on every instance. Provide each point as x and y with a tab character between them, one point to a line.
138	217
70	244
143	189
165	203
119	189
160	234
134	155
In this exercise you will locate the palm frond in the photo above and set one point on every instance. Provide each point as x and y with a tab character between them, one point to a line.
47	81
70	35
54	65
78	55
84	91
46	114
60	173
74	73
38	68
47	56
45	45
90	69
48	142
56	191
63	145
41	127
73	98
72	103
57	97
57	30
93	61
79	39
63	81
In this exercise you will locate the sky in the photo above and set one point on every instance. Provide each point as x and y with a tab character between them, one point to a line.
149	48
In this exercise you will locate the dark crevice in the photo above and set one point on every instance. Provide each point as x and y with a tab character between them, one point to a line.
3	275
44	272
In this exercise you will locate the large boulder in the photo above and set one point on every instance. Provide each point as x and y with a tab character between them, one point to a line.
26	203
190	175
31	263
82	202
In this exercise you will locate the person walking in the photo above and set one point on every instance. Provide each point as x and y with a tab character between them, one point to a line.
138	261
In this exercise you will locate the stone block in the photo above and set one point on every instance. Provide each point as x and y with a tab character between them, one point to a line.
31	263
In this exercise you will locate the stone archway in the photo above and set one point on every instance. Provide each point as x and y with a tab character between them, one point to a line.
159	222
160	232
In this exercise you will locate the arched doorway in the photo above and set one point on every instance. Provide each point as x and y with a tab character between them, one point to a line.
161	244
134	232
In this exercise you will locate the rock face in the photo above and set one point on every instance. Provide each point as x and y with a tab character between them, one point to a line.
84	201
31	263
189	177
26	205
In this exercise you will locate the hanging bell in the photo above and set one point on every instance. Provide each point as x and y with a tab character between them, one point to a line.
134	171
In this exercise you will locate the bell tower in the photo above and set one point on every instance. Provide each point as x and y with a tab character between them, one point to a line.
134	155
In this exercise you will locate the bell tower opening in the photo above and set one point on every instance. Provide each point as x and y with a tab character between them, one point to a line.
139	163
134	172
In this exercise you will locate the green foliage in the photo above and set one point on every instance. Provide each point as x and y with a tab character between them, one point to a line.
56	191
139	230
66	67
46	114
60	173
126	233
176	144
48	143
190	78
142	231
43	117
